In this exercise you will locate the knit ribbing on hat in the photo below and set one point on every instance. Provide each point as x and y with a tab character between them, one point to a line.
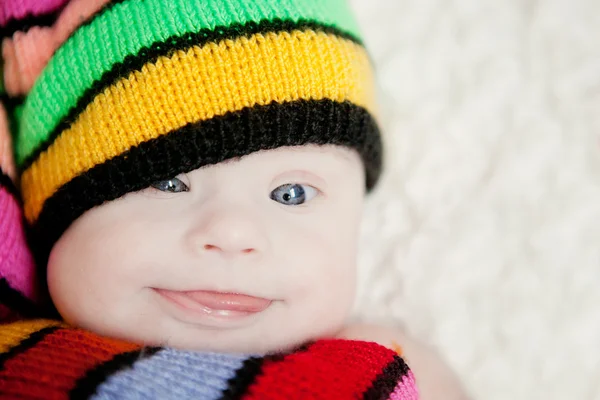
6	157
45	359
195	82
134	33
25	54
21	14
18	283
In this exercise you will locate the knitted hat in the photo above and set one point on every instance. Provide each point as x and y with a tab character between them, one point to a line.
26	49
30	31
43	359
18	281
17	15
148	89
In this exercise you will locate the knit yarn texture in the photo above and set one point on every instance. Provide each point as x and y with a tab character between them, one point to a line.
145	90
44	359
30	32
23	26
142	91
18	280
29	44
20	14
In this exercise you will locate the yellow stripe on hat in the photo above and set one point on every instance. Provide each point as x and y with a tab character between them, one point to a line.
195	85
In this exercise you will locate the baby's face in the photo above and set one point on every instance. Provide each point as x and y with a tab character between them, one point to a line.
160	266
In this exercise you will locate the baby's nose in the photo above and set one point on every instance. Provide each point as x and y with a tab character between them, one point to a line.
228	248
229	233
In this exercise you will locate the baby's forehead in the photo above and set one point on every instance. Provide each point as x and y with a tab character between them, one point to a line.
321	159
309	151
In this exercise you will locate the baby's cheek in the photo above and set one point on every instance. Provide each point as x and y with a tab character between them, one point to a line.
61	283
76	279
58	278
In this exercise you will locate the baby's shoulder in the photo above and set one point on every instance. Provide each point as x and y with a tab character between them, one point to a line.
434	378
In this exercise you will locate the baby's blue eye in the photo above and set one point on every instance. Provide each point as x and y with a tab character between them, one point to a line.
173	185
293	194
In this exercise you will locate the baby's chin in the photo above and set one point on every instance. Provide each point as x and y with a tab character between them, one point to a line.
259	339
228	342
250	345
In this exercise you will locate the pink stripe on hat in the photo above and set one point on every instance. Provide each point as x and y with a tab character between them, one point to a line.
7	164
27	53
16	262
19	9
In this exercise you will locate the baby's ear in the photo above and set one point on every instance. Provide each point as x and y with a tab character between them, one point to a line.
18	280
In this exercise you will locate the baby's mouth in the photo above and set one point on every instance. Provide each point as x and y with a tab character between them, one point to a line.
216	304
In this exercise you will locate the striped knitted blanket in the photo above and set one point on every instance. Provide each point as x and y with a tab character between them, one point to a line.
43	359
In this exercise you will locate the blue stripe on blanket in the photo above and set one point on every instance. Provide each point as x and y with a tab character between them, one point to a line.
173	374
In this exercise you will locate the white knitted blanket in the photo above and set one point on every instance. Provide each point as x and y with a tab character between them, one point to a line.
484	237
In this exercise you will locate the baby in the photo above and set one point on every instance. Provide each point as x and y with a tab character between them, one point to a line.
193	172
198	175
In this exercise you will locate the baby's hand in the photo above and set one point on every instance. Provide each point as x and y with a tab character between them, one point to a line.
434	378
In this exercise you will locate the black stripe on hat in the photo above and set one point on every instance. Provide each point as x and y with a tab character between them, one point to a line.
165	48
195	145
16	302
9	186
27	22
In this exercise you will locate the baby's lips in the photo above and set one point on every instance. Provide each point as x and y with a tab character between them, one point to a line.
224	301
229	301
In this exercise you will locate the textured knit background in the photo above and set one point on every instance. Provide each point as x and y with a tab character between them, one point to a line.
484	237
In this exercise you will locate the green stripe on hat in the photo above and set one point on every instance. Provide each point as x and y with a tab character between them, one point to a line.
80	63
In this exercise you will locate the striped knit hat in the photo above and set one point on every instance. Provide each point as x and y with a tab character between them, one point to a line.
30	32
18	283
16	15
148	89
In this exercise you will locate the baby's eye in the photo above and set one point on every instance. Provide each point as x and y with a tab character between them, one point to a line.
173	185
293	194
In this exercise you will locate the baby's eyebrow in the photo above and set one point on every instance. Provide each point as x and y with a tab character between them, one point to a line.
322	148
224	162
231	160
346	155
